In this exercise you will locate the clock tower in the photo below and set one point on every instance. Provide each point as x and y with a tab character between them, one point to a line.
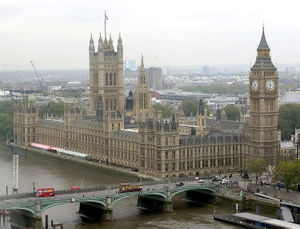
263	81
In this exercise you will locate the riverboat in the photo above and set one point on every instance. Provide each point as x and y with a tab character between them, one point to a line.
250	220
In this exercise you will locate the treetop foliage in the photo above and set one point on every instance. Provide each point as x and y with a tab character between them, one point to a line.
288	120
288	172
232	112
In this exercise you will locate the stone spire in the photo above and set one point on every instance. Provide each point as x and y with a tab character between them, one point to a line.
100	43
201	108
120	48
142	75
263	45
119	40
91	46
263	59
111	43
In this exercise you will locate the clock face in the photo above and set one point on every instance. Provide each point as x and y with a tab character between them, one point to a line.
270	85
254	85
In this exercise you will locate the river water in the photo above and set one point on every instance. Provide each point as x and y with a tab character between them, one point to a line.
46	171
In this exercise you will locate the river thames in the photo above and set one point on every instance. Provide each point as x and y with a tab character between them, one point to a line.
47	171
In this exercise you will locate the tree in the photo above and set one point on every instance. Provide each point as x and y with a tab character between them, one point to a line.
6	120
288	172
189	107
232	112
235	88
257	166
164	109
288	120
57	109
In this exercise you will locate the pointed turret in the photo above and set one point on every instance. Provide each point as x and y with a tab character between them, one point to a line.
142	74
119	40
91	46
120	48
111	46
142	62
100	43
201	109
263	60
263	45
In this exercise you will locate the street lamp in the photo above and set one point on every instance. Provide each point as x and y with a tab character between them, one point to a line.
297	147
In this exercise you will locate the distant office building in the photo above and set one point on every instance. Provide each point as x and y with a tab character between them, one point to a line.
206	70
154	76
124	65
132	65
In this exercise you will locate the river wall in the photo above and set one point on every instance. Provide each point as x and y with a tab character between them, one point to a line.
89	163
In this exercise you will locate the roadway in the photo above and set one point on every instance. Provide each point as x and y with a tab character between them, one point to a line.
104	191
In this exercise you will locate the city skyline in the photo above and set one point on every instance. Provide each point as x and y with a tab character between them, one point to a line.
55	34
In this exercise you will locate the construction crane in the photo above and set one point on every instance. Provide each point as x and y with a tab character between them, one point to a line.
15	185
37	76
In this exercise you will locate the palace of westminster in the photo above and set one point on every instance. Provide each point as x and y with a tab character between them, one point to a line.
127	132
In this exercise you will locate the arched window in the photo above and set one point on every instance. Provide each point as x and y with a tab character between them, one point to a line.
106	79
115	82
110	79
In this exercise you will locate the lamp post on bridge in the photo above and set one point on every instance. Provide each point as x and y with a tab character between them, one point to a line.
297	147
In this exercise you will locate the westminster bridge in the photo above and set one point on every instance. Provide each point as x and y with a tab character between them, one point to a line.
97	202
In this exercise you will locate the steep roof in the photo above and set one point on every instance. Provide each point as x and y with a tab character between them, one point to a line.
263	45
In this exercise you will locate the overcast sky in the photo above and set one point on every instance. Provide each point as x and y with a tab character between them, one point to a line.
55	33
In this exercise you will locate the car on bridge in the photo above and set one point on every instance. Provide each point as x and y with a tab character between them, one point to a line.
179	184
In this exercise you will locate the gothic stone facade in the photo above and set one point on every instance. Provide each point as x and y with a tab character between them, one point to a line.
160	148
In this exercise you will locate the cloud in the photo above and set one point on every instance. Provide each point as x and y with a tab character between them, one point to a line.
172	32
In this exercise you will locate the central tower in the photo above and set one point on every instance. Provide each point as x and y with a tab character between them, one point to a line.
142	97
263	81
106	81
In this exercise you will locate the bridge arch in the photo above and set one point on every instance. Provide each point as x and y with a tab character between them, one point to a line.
164	196
138	194
212	190
43	209
24	209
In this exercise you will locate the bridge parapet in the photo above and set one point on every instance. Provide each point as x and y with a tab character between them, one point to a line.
107	198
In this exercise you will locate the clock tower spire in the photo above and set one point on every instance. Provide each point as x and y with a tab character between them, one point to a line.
263	81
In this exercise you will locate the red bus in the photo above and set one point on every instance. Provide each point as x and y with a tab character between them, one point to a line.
44	192
75	188
130	188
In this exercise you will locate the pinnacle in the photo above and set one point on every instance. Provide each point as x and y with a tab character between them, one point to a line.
263	45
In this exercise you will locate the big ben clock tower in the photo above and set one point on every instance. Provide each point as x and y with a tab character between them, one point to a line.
263	81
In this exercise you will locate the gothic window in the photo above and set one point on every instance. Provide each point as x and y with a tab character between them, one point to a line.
106	79
95	79
166	141
110	79
115	104
115	80
106	104
140	101
167	167
145	101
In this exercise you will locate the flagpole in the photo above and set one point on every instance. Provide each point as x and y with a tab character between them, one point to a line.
104	24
